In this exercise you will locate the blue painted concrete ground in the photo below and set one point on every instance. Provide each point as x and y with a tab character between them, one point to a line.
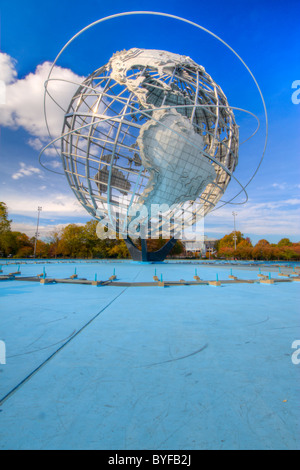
188	367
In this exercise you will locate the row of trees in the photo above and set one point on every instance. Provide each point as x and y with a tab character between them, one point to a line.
76	241
263	250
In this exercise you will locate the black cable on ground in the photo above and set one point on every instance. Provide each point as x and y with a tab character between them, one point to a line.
24	381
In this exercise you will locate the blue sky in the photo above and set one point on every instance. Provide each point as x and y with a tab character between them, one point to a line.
264	33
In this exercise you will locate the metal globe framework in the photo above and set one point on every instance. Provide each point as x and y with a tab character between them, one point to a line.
100	151
101	146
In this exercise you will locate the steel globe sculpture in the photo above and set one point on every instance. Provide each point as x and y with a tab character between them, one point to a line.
149	128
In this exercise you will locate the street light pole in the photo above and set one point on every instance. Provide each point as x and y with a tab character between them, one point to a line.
234	237
37	230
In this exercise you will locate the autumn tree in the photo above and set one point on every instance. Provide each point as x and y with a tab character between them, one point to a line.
284	242
4	222
53	241
96	247
228	240
225	247
244	250
42	249
287	252
118	250
225	252
72	242
264	251
16	244
4	228
296	248
8	244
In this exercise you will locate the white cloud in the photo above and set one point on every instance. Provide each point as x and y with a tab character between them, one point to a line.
8	71
292	202
44	230
26	170
39	143
54	205
265	218
25	99
54	164
2	92
280	186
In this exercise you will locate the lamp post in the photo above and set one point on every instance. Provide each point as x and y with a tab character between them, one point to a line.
234	236
37	230
210	251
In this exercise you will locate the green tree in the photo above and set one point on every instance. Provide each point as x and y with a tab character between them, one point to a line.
288	252
118	250
284	242
4	222
228	240
72	242
16	244
8	245
98	248
4	229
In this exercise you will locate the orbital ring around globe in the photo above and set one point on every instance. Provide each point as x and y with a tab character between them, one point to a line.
133	112
88	87
159	109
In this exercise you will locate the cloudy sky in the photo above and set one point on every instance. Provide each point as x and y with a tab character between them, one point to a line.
264	33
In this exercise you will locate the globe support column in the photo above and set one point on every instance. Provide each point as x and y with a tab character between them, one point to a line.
149	256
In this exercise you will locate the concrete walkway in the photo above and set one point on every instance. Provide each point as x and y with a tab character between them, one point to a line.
148	368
